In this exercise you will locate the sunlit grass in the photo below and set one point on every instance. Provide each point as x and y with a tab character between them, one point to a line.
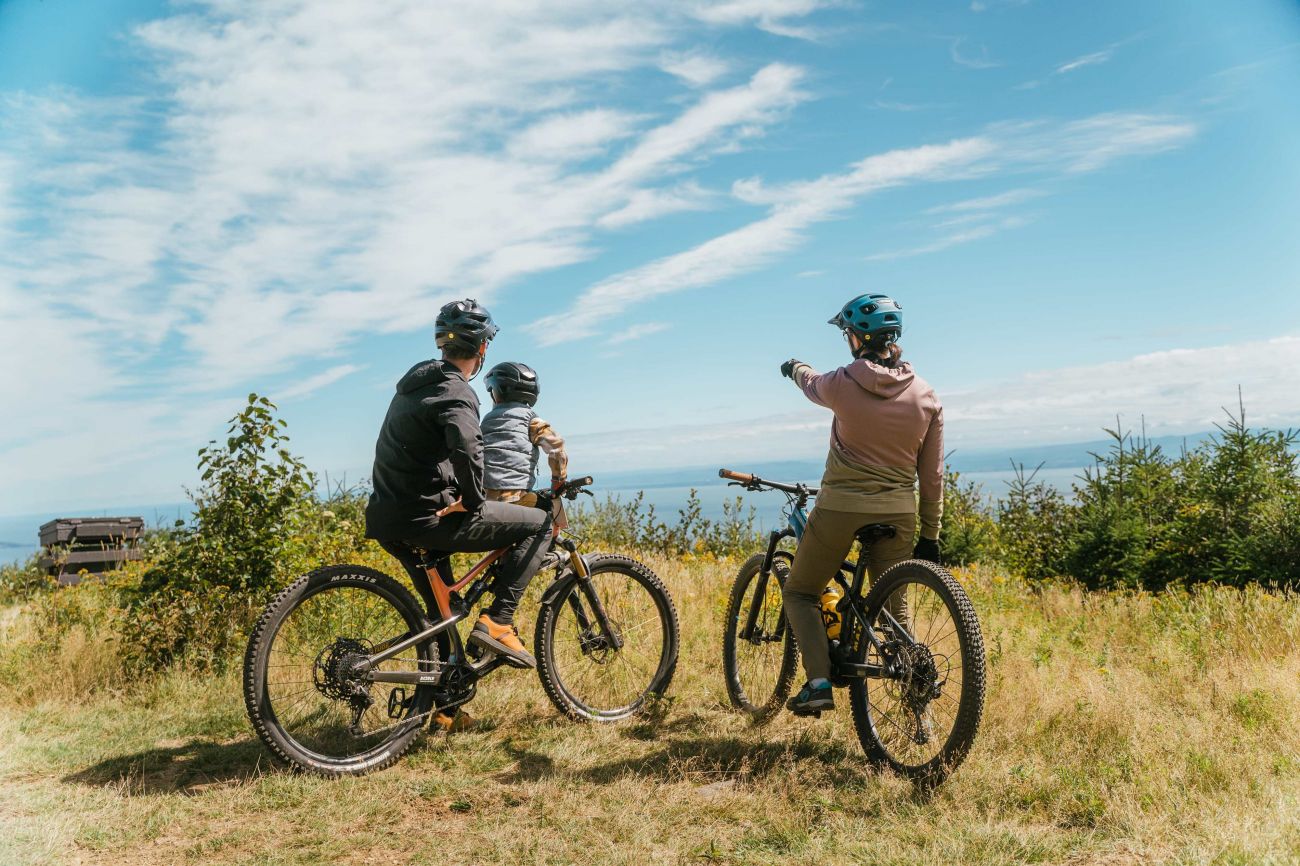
1120	728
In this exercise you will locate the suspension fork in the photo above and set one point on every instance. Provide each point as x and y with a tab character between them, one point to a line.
760	586
580	569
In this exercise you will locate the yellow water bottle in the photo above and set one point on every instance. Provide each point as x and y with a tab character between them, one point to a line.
831	618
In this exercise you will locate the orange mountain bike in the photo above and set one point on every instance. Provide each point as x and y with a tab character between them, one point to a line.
345	665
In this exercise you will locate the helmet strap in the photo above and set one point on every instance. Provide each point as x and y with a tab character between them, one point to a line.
478	363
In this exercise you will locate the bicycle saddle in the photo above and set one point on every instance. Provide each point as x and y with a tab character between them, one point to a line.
873	532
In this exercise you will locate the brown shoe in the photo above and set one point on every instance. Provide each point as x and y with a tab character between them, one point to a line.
460	723
501	639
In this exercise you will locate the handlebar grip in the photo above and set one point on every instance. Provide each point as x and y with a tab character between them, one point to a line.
735	476
584	481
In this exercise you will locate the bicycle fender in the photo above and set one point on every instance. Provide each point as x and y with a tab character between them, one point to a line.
558	586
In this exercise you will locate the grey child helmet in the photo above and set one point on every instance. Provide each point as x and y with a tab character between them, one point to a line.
512	382
465	323
871	315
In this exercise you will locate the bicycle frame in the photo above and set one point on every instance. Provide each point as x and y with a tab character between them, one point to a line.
855	619
440	592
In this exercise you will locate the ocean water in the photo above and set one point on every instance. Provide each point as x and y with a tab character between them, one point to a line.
19	535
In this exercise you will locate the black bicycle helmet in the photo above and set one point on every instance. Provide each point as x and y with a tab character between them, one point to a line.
512	382
466	323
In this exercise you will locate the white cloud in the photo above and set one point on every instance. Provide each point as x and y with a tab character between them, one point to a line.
1177	391
991	202
576	135
288	208
1094	59
695	68
965	236
312	384
774	16
298	175
1077	146
1172	392
977	60
648	204
794	208
637	332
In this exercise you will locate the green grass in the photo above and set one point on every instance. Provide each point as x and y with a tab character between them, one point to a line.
1120	728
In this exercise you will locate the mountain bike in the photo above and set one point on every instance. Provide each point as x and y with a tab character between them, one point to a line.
909	651
345	666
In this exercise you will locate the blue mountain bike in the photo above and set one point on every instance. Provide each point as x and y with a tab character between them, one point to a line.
909	650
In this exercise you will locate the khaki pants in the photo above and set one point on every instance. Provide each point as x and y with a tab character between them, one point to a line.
826	542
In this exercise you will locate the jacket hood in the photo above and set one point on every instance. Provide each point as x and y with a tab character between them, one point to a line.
884	382
426	374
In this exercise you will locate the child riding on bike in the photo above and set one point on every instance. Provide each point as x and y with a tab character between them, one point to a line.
514	437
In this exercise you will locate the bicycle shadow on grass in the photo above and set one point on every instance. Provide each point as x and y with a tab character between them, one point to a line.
698	759
188	767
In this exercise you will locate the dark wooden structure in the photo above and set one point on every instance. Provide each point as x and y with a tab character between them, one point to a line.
92	544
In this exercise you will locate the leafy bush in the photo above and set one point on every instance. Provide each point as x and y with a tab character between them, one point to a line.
1121	514
1236	519
1031	520
1226	512
969	532
256	525
635	525
23	581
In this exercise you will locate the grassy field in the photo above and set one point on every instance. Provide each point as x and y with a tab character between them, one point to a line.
1119	729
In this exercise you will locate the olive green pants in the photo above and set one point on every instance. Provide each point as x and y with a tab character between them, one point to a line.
826	542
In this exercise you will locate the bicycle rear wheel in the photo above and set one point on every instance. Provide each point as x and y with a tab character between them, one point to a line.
922	720
303	696
594	675
759	664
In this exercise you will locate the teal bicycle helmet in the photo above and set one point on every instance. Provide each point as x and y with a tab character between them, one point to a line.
869	316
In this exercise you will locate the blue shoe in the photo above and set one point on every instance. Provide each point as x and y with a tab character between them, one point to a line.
811	700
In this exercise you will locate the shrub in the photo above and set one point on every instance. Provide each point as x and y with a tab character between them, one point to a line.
1237	519
256	524
969	533
1032	521
1121	515
24	581
633	524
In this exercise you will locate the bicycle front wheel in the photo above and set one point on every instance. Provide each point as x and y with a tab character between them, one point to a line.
304	694
920	719
759	657
606	644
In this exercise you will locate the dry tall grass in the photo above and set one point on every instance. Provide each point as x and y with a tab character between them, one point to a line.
1119	729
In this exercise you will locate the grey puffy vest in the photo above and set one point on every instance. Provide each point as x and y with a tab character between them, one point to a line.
509	458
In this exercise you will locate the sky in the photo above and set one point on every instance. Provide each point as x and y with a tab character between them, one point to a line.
1088	212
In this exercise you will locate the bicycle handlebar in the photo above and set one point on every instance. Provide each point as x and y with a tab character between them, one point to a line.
753	482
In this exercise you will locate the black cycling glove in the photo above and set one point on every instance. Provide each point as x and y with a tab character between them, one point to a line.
787	369
927	549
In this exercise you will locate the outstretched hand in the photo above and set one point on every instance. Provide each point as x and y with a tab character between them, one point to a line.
458	505
787	369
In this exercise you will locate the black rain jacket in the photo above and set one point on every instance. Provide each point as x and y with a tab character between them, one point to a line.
429	453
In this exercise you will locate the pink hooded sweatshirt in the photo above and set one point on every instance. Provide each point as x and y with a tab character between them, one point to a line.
887	434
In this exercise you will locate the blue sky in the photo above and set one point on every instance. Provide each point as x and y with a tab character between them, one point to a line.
1085	209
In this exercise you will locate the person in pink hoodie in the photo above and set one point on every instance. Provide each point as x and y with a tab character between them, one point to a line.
887	435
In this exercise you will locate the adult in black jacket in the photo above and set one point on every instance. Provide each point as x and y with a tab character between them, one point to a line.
428	478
